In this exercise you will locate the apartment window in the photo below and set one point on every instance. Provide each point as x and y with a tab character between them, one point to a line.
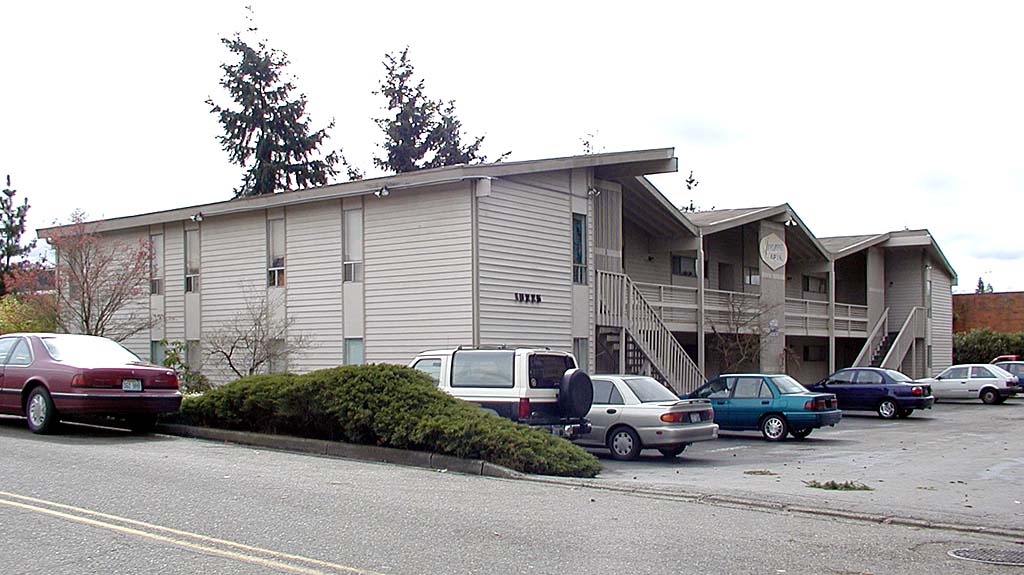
684	266
353	350
581	349
275	253
752	276
156	352
191	260
193	355
353	248
928	300
156	264
815	285
579	249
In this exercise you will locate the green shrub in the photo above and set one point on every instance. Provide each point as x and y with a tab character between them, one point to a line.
385	405
981	345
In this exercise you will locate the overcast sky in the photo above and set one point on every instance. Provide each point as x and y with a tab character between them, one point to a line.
866	117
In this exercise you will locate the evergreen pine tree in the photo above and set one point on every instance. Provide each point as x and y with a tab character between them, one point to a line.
12	226
268	132
419	132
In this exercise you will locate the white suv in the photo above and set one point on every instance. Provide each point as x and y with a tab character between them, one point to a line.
538	387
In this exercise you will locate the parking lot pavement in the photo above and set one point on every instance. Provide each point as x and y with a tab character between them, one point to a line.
960	462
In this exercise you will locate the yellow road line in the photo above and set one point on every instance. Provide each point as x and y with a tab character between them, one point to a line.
78	515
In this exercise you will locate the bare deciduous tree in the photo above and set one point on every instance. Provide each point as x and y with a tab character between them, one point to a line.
100	282
739	333
255	339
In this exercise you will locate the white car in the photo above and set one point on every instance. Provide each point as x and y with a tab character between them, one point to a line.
990	383
633	412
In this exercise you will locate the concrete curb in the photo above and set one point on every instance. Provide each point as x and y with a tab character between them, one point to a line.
483	468
345	450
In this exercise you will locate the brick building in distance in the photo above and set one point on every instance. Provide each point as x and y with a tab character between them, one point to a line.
1000	312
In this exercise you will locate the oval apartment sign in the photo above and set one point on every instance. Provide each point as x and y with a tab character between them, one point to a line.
773	251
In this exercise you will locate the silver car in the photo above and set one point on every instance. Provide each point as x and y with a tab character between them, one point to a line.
632	412
990	383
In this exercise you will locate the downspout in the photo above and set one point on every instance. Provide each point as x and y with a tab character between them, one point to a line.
700	300
832	316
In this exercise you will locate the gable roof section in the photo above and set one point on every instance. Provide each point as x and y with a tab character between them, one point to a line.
653	205
608	166
842	246
715	221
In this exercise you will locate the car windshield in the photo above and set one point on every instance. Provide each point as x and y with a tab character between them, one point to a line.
897	376
88	350
787	385
649	389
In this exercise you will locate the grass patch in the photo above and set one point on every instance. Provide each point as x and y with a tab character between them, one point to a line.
837	486
385	405
759	472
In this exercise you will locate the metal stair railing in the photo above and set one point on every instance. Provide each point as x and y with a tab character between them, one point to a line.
621	303
874	341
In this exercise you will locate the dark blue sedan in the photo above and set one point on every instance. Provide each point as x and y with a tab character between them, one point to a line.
774	404
884	391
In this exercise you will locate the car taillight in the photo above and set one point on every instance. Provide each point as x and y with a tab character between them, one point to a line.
817	404
524	408
168	380
674	417
916	391
78	380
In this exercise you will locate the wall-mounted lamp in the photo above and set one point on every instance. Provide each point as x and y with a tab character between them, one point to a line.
791	222
196	217
593	192
383	192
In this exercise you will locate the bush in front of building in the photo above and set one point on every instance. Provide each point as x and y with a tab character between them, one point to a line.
386	405
982	345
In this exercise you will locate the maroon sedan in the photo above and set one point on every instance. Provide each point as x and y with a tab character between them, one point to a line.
47	377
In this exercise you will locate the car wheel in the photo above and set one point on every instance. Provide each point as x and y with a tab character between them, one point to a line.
801	433
887	409
989	396
774	428
40	411
624	444
673	451
905	413
142	424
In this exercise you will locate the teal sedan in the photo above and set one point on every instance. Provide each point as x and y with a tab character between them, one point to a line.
776	405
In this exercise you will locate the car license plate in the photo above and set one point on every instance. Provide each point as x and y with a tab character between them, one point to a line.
695	417
131	384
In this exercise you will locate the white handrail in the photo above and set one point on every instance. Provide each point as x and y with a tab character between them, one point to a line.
904	340
621	303
874	340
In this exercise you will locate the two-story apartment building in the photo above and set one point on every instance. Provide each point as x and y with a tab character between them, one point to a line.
581	254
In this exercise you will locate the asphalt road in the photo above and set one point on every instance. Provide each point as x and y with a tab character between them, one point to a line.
101	501
959	462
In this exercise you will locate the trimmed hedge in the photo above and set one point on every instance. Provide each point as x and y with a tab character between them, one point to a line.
386	405
981	345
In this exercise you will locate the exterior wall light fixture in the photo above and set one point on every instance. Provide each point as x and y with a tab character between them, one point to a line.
593	192
383	192
196	217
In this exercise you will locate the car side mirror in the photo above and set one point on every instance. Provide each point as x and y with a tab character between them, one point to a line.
938	377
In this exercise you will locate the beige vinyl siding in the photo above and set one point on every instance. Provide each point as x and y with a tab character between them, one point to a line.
136	312
525	246
174	281
942	320
418	250
233	269
313	272
641	260
904	289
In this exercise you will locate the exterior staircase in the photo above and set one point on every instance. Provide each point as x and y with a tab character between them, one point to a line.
650	347
888	349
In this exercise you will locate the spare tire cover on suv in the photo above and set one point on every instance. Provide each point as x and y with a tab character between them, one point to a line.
576	393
